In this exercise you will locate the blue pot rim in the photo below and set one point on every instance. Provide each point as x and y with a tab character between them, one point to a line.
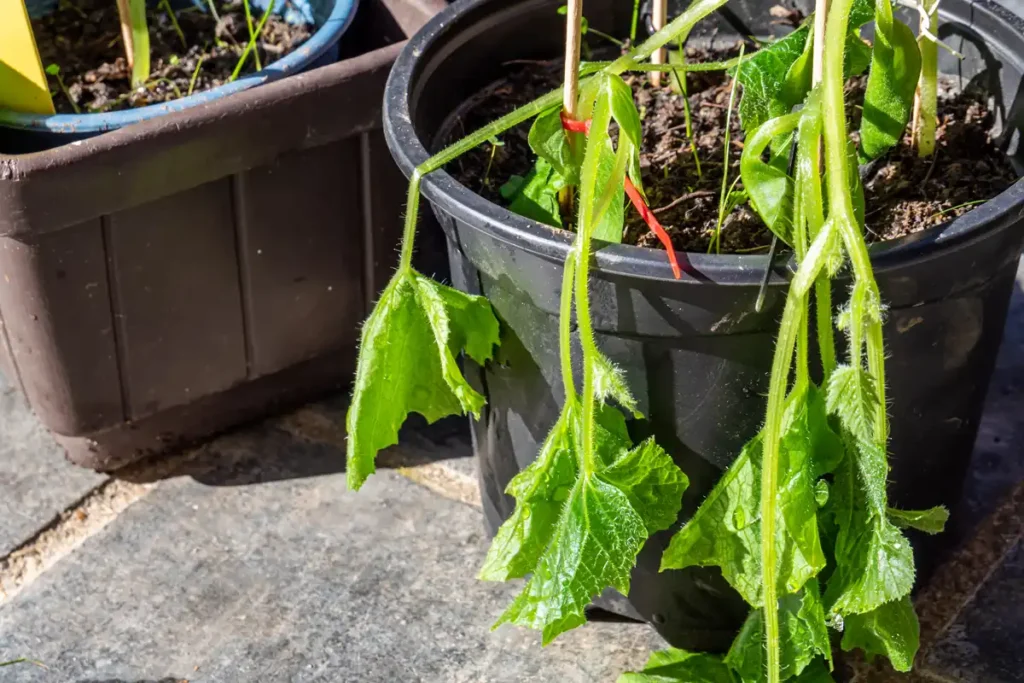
321	41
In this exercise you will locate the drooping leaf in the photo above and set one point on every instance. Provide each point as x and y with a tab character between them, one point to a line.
625	113
537	195
679	666
603	519
931	521
770	187
874	561
803	636
892	81
891	630
726	530
407	363
548	141
540	491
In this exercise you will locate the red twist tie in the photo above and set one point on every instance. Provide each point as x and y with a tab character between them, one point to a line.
576	126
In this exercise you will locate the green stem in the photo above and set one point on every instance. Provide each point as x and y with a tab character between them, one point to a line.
928	88
717	241
412	209
585	228
565	326
795	310
252	33
140	42
251	45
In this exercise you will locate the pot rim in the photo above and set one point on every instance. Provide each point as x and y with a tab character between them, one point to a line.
342	14
441	37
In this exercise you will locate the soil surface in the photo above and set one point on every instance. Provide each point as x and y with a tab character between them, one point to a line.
903	193
83	39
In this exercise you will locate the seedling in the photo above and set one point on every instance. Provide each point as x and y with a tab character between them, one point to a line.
135	35
54	70
251	45
799	524
166	6
252	32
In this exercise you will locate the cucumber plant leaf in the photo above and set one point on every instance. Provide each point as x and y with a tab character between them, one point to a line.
579	532
762	76
536	195
803	636
407	363
931	521
770	187
548	141
726	529
892	81
680	666
891	630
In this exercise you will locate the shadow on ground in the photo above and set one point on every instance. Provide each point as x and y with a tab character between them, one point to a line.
309	442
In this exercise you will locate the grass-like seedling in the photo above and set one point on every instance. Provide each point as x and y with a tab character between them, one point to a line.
799	524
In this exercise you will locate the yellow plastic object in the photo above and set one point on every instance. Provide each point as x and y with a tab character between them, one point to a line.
23	85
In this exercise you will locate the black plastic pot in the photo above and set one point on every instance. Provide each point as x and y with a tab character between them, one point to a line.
696	353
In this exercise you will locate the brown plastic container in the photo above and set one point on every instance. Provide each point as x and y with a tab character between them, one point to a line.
170	279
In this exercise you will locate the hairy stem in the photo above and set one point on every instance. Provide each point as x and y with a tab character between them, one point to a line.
585	229
794	312
840	201
565	326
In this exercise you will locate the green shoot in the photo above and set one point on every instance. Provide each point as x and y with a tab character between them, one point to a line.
716	240
682	88
956	208
252	35
166	6
195	75
251	45
54	70
926	103
495	144
136	34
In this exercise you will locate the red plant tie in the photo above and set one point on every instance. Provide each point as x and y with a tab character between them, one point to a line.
576	126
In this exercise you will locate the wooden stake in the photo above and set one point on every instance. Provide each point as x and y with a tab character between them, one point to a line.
571	77
820	15
659	15
125	14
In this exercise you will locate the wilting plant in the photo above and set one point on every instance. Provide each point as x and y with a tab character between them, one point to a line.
799	524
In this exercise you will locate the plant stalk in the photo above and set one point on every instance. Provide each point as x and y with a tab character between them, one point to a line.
926	109
565	325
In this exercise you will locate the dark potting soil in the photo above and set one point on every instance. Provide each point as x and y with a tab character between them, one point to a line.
903	193
83	39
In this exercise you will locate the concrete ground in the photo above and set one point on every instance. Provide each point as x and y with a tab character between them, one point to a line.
247	560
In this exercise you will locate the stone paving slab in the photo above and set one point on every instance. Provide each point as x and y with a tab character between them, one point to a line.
36	482
260	566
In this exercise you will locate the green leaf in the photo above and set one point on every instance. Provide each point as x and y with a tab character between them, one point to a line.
891	630
861	12
817	672
679	666
762	76
892	81
625	113
540	491
770	188
799	76
726	529
858	55
610	382
537	195
603	519
548	141
874	561
407	363
930	521
803	635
